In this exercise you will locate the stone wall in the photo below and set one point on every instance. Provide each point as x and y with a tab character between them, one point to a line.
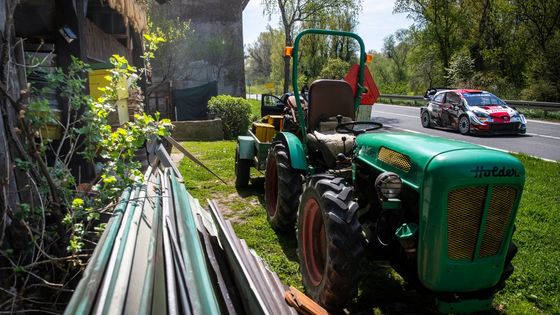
198	130
214	49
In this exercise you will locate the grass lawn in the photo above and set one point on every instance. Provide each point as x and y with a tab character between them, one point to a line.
534	287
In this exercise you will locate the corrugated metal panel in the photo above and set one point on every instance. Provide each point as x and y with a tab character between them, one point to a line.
162	253
259	297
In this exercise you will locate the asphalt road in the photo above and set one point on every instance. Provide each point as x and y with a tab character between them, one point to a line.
542	138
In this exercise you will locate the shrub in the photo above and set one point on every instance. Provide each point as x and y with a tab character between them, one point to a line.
235	113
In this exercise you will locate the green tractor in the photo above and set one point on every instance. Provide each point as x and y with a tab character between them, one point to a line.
441	211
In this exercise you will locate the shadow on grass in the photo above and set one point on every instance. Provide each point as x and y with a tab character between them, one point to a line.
382	291
255	188
287	240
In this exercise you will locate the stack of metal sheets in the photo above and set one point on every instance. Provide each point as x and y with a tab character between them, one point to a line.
162	253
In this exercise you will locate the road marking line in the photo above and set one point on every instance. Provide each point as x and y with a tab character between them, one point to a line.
382	112
489	147
544	122
544	136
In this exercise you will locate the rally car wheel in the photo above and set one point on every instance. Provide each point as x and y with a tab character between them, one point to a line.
464	125
426	121
329	242
283	186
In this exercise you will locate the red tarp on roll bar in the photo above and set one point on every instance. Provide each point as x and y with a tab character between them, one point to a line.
372	92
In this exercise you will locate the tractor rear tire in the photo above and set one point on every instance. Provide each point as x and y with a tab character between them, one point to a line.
242	170
329	242
283	186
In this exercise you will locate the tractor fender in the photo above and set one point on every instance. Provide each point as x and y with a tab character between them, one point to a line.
295	149
246	147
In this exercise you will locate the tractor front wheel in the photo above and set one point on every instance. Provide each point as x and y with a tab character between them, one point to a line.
329	242
282	189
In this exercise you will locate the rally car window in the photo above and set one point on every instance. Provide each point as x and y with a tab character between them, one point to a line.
439	98
482	99
452	98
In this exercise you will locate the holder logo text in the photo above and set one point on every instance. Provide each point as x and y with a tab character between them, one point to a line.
496	171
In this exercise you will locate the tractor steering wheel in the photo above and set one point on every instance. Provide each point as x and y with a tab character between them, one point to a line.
358	127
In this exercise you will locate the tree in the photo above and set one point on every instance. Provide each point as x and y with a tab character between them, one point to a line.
542	19
439	18
259	64
293	12
461	69
335	69
396	48
167	61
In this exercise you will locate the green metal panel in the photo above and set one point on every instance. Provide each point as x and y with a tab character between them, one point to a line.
295	61
84	296
295	147
149	279
419	148
246	147
262	153
193	253
107	290
444	173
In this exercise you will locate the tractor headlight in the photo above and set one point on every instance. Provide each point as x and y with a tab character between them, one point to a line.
388	185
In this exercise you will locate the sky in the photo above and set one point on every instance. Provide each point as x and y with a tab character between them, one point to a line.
377	21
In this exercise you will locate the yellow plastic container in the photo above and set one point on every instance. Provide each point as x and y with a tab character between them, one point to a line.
120	115
97	79
264	132
52	131
275	120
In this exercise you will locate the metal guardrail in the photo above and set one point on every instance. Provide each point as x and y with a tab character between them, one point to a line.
546	106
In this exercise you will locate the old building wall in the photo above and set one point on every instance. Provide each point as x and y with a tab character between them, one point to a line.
213	50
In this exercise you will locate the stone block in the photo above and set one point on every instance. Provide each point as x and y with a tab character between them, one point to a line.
198	130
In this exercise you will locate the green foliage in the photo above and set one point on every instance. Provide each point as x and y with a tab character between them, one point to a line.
507	47
534	287
340	14
255	109
461	70
259	65
87	132
164	43
334	69
235	113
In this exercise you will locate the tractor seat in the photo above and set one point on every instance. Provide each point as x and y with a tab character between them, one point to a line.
328	99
